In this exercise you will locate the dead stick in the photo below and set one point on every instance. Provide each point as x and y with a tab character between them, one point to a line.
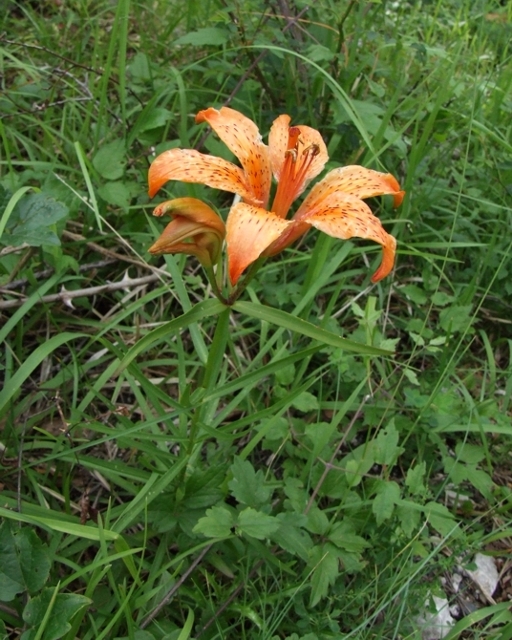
65	296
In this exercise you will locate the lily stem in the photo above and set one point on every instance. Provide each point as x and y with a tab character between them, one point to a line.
253	269
215	287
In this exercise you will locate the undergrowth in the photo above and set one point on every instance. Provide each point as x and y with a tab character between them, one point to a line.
171	468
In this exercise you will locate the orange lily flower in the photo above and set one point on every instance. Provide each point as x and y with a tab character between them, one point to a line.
294	156
195	230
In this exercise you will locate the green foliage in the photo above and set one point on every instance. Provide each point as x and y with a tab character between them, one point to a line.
25	562
311	462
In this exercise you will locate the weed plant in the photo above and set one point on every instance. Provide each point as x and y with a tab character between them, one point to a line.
172	469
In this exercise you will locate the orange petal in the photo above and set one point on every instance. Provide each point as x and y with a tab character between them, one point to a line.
195	230
352	218
278	143
184	236
242	137
278	140
189	165
288	237
353	180
193	210
249	231
174	234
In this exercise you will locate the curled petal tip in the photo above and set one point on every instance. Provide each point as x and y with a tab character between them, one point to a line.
398	198
388	259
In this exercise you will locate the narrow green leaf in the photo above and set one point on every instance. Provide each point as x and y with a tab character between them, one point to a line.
34	359
79	530
200	311
287	321
187	627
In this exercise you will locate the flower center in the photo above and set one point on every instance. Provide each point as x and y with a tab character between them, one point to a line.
294	173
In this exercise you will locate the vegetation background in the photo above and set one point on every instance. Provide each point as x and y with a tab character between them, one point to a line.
171	472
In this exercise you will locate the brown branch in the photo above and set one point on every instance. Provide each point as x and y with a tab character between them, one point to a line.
329	465
66	296
46	273
170	594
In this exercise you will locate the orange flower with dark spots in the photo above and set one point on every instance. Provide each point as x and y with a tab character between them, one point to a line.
295	155
195	230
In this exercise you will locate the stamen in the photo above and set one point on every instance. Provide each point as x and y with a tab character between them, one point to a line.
294	172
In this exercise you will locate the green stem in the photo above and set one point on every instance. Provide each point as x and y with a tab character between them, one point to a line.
215	287
253	270
211	372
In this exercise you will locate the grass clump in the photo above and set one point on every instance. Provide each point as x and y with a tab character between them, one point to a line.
171	468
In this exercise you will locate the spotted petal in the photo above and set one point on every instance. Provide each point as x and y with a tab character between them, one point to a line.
352	218
195	230
278	141
189	165
242	137
353	180
249	231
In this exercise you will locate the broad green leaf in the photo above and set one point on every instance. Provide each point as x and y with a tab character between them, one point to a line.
11	576
320	434
32	219
441	519
116	193
291	536
110	160
297	496
305	402
414	479
217	523
470	453
386	449
203	37
342	535
456	319
388	495
409	516
153	119
481	480
317	521
414	293
61	607
357	463
33	557
256	523
247	485
325	563
288	321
